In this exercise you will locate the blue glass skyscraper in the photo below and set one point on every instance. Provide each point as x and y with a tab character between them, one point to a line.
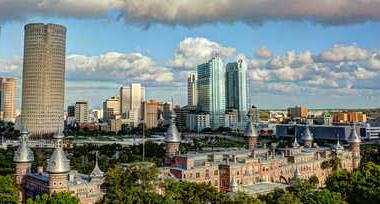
237	88
211	90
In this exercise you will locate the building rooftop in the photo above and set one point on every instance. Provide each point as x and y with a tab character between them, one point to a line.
262	188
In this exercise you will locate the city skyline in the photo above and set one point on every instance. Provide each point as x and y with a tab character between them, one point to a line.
325	61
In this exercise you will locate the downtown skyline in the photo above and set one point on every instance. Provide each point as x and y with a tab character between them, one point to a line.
320	64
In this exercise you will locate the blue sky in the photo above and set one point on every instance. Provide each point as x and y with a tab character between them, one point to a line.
341	70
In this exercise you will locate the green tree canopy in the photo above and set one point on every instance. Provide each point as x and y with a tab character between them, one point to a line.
8	190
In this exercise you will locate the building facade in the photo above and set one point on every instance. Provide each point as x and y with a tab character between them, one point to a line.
297	112
43	82
150	113
198	121
192	90
211	90
111	108
58	176
81	112
349	117
238	169
8	99
237	88
131	98
321	132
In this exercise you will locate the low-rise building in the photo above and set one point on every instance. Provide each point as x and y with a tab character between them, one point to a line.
58	176
198	121
235	169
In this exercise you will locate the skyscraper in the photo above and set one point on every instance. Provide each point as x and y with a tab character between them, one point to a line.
111	108
211	90
237	88
7	99
192	90
150	113
131	98
43	84
81	112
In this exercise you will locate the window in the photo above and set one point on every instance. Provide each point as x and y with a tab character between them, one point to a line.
197	175
215	172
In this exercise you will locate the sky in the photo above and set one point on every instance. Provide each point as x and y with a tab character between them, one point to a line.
317	53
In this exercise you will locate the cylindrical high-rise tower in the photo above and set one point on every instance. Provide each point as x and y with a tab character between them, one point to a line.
43	83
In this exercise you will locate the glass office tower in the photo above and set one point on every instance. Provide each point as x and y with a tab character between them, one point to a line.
237	88
211	90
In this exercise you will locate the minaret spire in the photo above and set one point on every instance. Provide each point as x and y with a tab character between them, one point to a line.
96	173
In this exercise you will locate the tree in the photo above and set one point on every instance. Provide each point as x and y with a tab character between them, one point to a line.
334	164
8	190
60	197
280	196
135	185
314	181
325	197
360	186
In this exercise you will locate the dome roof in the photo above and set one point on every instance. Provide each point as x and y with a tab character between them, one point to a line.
172	135
250	130
353	137
23	152
58	163
307	135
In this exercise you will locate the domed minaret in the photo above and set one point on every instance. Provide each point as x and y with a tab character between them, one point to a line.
23	158
96	174
250	134
58	166
172	140
355	141
307	137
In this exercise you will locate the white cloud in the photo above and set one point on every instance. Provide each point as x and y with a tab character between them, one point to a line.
191	52
11	65
374	61
197	12
344	53
22	9
117	66
263	52
341	69
305	58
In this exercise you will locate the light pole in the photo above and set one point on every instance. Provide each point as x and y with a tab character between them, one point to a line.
143	138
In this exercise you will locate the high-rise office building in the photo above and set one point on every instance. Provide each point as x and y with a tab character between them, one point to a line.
192	90
111	108
131	98
237	88
8	99
81	112
211	90
167	109
71	111
150	113
43	84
